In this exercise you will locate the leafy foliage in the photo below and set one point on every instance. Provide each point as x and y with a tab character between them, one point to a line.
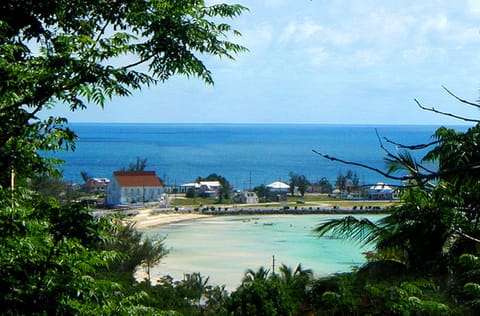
55	258
434	234
74	53
48	259
265	293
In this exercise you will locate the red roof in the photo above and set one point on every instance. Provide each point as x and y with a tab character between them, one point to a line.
137	178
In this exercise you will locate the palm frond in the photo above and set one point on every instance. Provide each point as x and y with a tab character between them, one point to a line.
360	230
403	162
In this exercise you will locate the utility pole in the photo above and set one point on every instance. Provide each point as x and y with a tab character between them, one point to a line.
250	181
273	264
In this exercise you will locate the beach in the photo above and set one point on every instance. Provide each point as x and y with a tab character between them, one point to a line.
147	218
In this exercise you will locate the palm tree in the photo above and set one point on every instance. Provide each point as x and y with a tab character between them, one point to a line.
435	216
153	250
250	275
295	282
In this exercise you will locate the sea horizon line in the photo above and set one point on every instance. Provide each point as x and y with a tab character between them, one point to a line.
268	124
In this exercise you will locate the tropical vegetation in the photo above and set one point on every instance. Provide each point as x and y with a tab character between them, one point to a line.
432	236
56	258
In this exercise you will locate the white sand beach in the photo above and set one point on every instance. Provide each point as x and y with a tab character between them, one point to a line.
147	218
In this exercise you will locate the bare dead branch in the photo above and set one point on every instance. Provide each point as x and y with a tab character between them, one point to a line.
461	100
352	163
446	113
467	236
411	147
418	176
412	169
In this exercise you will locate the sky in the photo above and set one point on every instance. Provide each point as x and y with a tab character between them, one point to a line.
325	62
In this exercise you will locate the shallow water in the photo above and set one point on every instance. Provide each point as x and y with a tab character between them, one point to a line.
224	247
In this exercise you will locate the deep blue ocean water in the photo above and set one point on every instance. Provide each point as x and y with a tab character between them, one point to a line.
246	154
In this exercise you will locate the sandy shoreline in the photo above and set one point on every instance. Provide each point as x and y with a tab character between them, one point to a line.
147	218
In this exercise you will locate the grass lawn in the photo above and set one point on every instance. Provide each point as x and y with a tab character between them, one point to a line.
309	200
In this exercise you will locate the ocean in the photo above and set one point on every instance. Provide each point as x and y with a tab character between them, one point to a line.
247	155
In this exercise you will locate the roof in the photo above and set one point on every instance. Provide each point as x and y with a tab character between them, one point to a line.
278	185
137	179
99	180
211	184
207	184
191	185
380	186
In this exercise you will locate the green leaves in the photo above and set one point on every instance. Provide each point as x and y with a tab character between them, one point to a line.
76	53
360	230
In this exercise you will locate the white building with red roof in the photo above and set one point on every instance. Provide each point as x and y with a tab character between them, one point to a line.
127	187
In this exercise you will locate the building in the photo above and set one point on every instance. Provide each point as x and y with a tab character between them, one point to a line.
278	191
203	188
247	197
96	185
278	187
128	187
381	191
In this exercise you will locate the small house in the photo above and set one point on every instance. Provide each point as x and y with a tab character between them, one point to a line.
278	191
381	191
278	187
247	197
203	188
96	185
128	187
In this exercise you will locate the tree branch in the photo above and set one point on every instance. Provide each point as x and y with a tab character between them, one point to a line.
141	61
461	100
411	147
352	163
102	31
446	114
419	176
412	168
467	236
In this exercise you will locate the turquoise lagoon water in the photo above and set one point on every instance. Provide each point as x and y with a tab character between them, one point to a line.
224	247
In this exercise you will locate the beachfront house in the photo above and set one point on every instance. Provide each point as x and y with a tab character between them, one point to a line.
381	191
203	188
246	197
96	185
127	187
278	191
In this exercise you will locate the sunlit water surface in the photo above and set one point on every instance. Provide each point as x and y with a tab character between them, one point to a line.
224	247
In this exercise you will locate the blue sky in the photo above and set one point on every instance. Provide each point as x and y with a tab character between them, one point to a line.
318	61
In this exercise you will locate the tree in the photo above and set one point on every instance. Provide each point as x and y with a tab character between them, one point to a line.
85	176
439	215
298	181
434	233
153	251
341	181
139	165
48	259
347	181
48	187
70	53
325	185
266	293
76	53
